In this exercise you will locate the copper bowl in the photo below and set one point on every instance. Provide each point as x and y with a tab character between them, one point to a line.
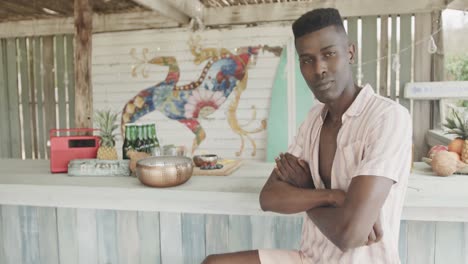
164	171
205	160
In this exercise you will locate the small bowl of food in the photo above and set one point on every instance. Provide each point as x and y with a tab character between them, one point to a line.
204	161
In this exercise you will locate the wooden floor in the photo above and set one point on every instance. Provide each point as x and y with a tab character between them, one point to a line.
59	235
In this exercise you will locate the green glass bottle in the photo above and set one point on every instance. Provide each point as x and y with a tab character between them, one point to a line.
146	138
139	143
154	136
133	136
127	145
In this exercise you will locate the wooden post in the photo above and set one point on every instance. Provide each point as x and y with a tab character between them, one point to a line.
437	64
83	49
422	73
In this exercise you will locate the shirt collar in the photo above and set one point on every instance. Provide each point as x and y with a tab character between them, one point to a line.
358	105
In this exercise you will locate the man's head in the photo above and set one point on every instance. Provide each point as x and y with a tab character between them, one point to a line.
324	52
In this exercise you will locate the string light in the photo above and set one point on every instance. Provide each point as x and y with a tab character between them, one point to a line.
431	46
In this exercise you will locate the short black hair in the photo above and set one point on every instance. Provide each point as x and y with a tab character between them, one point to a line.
317	19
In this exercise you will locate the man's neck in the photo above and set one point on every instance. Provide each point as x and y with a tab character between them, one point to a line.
337	108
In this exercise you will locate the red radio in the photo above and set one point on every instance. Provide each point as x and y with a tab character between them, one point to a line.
66	148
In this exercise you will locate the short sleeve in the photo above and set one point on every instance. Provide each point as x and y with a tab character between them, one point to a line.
387	146
297	147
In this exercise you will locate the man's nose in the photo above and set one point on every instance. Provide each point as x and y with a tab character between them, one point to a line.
321	68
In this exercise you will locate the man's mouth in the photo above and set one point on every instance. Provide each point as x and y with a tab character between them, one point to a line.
322	86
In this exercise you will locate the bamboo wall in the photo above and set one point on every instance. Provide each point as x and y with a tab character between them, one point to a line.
36	93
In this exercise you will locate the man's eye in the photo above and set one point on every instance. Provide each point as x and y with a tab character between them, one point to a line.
330	54
306	61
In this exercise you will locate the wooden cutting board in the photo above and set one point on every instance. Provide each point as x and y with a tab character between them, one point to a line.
228	168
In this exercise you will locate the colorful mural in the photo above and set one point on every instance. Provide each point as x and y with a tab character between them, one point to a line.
224	73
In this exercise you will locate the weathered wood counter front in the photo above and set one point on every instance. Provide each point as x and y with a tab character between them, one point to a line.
54	218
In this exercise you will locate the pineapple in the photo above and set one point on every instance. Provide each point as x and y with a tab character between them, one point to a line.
459	127
106	123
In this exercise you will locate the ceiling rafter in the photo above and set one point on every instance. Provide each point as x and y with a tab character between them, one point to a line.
165	9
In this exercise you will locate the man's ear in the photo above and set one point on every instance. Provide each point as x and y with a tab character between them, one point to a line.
351	53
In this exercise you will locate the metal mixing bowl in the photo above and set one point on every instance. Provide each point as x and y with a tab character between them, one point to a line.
164	171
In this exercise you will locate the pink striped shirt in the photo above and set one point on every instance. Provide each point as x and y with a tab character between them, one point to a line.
375	139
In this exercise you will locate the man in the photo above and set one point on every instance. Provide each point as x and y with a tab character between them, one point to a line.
349	165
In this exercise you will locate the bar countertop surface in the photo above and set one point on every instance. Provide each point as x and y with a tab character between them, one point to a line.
29	182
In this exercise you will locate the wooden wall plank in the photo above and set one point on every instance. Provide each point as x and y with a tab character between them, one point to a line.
403	242
128	240
405	57
193	237
148	228
12	247
353	36
86	236
263	232
4	115
38	84
171	238
465	229
13	98
287	232
106	226
25	98
60	75
32	93
383	62
70	79
422	72
49	84
394	49
450	243
217	234
29	234
2	243
240	230
67	235
437	64
369	51
48	237
421	242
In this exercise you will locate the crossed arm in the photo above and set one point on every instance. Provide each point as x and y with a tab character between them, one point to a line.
348	220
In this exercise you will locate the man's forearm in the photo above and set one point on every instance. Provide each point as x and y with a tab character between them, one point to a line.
334	223
284	198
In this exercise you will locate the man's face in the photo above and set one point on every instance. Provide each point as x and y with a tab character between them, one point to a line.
324	57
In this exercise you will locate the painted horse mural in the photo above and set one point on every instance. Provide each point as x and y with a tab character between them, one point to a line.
224	73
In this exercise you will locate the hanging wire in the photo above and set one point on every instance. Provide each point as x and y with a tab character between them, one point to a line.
417	43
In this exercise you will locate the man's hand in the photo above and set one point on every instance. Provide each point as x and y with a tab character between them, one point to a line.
376	233
292	170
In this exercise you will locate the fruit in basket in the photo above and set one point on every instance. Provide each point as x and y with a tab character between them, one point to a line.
456	145
436	149
446	163
458	126
106	122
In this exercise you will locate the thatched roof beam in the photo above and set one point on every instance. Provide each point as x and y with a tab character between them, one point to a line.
101	23
288	11
164	8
